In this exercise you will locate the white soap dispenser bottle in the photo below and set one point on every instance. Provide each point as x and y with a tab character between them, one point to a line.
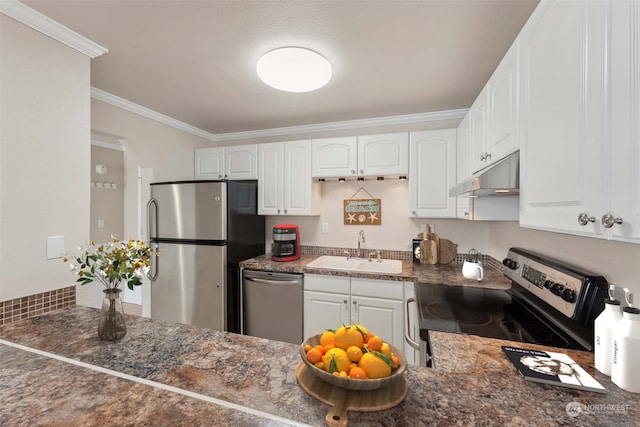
602	327
626	348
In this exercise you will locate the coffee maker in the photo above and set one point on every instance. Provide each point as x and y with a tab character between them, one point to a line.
286	242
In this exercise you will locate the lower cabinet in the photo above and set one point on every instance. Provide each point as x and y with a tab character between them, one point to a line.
332	301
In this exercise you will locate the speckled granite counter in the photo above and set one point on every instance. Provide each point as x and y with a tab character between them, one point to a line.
447	274
226	379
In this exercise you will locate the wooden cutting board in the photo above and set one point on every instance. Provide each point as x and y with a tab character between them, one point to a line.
342	400
447	251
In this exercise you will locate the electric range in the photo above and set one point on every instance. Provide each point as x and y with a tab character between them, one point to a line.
550	303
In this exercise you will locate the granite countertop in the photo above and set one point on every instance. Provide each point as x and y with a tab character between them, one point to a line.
55	371
447	274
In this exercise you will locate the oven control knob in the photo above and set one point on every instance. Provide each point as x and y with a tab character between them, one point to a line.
569	295
548	283
557	289
509	263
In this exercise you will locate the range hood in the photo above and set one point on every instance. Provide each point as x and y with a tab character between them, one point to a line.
500	179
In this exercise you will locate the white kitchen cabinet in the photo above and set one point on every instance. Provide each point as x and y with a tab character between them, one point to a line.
562	167
285	186
463	151
369	155
332	301
384	154
625	127
432	173
237	162
493	117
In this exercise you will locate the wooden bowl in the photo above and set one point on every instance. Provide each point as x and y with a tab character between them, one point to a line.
351	383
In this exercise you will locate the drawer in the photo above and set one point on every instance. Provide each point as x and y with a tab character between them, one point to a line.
322	283
390	289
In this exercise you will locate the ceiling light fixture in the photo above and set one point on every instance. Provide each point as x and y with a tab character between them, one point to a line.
294	69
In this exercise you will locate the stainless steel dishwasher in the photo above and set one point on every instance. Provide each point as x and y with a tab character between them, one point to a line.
272	305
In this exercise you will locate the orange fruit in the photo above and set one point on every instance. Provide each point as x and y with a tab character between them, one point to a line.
346	336
307	347
314	355
367	337
354	353
320	348
374	343
327	337
374	366
336	359
319	365
395	360
358	373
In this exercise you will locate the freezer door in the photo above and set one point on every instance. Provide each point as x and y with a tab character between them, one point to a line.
191	285
189	210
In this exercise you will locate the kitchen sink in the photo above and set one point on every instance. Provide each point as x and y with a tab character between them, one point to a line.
387	266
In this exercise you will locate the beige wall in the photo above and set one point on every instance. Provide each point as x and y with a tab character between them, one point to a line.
44	157
107	204
397	229
618	262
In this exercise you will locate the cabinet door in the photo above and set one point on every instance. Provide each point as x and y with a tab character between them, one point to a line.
625	126
334	157
270	178
463	151
209	163
413	325
502	94
241	162
301	193
478	132
385	154
433	173
561	166
464	208
324	310
381	316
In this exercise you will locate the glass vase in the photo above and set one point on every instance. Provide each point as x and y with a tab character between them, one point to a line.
112	326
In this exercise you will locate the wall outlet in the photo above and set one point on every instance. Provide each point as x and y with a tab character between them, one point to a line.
101	223
55	247
325	228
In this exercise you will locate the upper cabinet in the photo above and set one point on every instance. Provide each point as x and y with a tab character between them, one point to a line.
580	117
369	155
432	173
285	186
493	117
463	153
235	162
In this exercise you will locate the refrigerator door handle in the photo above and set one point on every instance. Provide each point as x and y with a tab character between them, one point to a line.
271	282
154	261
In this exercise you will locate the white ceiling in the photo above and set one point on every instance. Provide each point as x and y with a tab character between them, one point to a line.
195	60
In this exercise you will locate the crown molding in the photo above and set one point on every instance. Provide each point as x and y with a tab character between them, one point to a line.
345	125
116	101
47	26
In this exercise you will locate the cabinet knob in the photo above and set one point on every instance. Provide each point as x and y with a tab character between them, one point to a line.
466	213
353	172
278	210
219	176
584	219
414	213
361	171
285	211
483	157
608	220
344	302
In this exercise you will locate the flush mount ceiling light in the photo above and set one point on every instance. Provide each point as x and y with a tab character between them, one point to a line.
294	69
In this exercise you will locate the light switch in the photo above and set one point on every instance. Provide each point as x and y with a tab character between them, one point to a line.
101	223
55	247
325	228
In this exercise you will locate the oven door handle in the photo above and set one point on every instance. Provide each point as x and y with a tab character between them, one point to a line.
407	329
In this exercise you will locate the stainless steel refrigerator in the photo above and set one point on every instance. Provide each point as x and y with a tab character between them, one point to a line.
202	230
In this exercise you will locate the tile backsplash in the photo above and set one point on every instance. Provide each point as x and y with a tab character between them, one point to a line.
34	305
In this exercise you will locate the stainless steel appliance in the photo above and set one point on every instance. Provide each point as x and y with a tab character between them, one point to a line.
550	302
272	305
202	229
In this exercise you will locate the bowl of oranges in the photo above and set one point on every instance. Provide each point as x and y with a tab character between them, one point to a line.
353	358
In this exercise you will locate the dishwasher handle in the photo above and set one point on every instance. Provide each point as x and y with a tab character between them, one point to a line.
271	282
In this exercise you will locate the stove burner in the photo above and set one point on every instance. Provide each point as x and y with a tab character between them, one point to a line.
463	316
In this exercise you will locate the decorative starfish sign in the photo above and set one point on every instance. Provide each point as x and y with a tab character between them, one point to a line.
362	211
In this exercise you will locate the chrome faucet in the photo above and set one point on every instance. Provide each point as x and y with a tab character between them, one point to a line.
360	240
376	253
